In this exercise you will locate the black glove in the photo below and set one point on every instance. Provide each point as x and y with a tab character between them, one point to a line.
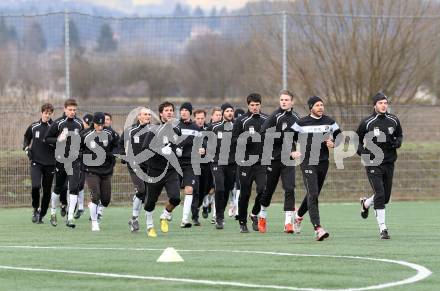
28	152
396	143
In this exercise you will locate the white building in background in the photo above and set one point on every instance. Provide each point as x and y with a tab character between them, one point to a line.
425	95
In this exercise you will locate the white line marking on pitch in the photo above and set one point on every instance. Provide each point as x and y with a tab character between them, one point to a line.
422	272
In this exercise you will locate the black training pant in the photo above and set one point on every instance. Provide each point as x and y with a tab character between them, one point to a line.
224	178
205	185
237	184
139	185
42	177
82	180
313	177
381	180
273	173
248	175
189	178
171	183
73	181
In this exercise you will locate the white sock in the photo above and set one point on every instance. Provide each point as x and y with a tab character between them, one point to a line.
369	202
380	217
54	200
93	208
166	215
187	207
289	216
149	219
206	200
213	207
73	199
137	203
263	212
211	198
100	209
237	195
81	200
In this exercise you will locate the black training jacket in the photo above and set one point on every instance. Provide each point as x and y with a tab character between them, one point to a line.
39	151
282	120
135	136
250	123
223	130
90	142
385	125
309	126
189	130
63	124
160	136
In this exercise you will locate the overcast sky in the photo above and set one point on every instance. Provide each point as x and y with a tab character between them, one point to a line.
204	4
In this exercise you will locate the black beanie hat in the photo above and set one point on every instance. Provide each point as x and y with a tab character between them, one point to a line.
379	96
312	100
99	118
188	106
226	106
88	118
238	112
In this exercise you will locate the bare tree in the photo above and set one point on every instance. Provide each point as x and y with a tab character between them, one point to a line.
35	41
262	56
347	50
210	67
106	40
82	76
159	77
5	69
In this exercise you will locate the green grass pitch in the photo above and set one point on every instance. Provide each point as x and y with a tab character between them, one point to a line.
414	230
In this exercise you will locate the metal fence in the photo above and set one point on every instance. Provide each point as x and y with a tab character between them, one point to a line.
417	173
113	64
344	56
